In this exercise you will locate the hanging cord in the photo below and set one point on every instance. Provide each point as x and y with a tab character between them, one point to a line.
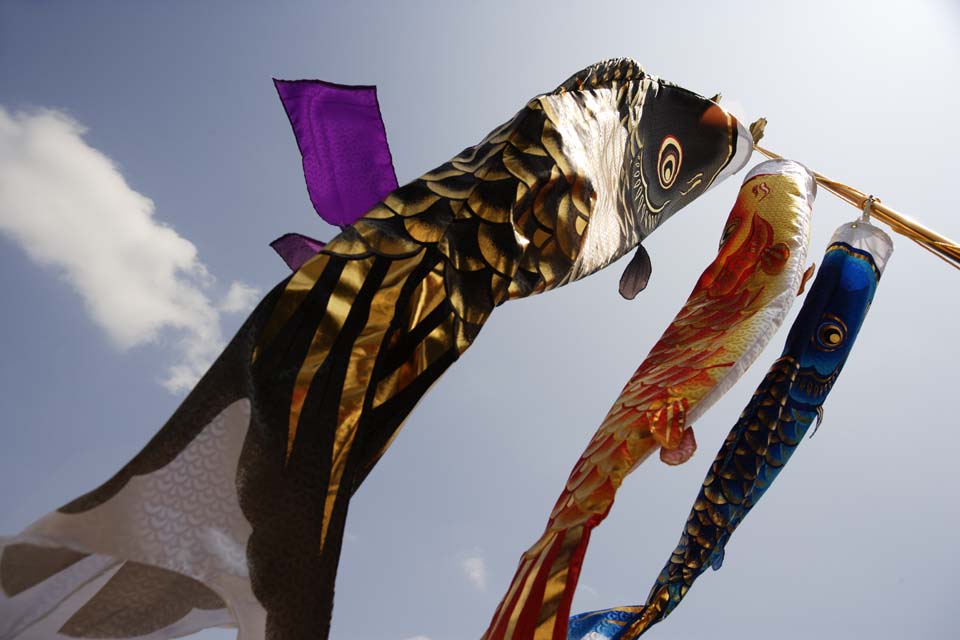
944	248
867	207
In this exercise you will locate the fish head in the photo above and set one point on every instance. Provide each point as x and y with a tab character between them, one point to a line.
680	146
766	231
836	306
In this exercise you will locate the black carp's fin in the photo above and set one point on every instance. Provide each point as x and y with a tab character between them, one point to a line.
636	275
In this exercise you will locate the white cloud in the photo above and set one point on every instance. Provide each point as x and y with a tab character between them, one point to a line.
70	209
475	568
239	298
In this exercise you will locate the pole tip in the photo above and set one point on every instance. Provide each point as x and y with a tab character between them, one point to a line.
757	129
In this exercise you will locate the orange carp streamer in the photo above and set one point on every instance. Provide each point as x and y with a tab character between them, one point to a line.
736	306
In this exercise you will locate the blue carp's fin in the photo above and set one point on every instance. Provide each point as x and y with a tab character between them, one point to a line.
716	558
636	275
819	420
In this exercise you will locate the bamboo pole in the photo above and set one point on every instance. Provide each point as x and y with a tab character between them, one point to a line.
942	247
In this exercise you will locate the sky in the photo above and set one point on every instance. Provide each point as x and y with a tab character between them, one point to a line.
146	163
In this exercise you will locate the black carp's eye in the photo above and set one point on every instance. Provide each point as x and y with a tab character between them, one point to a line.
681	145
831	333
669	160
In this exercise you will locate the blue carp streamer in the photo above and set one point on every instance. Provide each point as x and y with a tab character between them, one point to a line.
788	401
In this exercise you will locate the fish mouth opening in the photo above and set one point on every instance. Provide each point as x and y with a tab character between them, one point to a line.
741	155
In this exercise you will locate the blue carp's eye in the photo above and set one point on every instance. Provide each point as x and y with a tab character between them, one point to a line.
668	161
831	333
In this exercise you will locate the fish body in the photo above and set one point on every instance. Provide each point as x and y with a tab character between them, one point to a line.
786	403
233	514
736	305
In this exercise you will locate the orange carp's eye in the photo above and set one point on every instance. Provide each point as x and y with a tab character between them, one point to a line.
831	333
728	231
669	160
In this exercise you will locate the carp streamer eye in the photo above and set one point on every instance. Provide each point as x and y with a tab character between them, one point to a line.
729	230
831	333
668	161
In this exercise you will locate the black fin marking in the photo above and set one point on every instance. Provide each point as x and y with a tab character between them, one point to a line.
636	275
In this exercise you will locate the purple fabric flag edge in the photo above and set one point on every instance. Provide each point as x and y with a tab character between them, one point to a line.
339	129
296	249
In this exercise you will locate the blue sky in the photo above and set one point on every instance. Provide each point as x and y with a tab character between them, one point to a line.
857	539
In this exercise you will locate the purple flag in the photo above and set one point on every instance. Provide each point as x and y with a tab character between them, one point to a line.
340	132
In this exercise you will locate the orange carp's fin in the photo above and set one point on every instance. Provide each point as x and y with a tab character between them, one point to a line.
806	278
683	452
